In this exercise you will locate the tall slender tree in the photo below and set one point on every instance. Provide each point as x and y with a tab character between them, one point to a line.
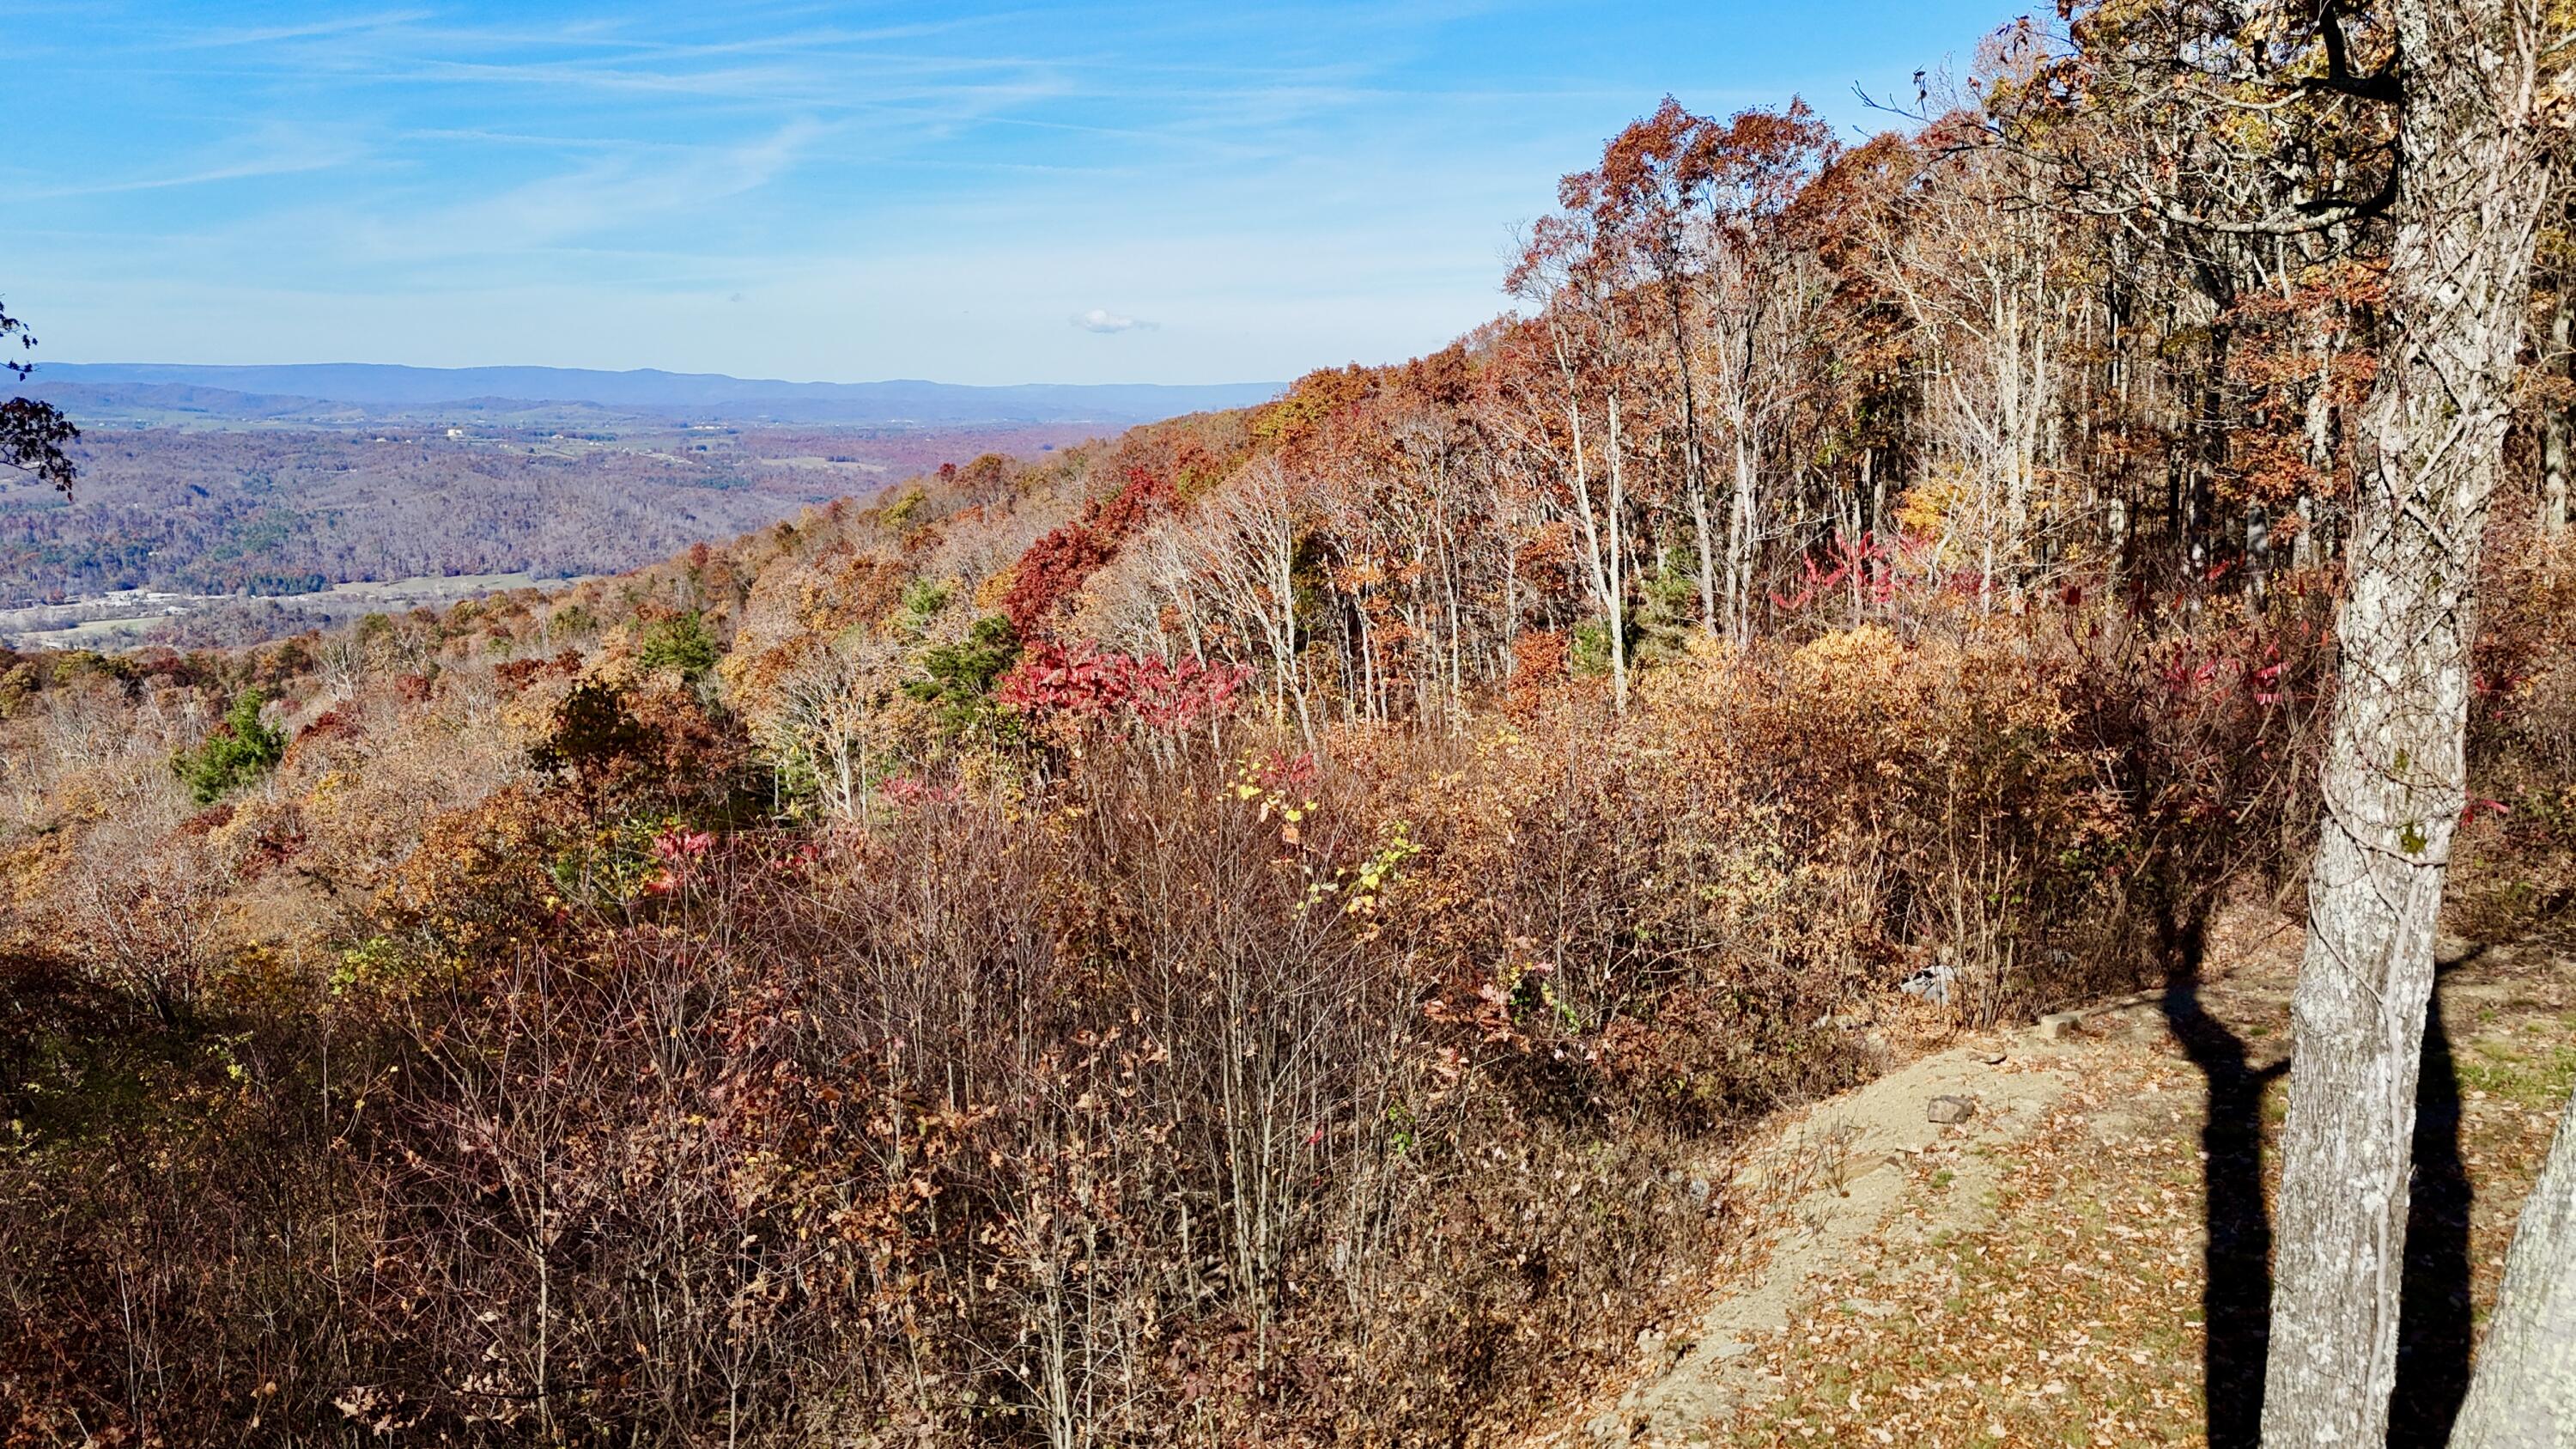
2467	208
2421	117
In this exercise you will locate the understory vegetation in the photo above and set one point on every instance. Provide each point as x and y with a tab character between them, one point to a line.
535	1053
1247	932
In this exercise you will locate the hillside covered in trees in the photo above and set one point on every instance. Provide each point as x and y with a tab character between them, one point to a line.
1254	930
284	511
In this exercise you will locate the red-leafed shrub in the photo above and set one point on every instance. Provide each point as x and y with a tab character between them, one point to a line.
1056	566
518	674
330	724
1087	685
913	794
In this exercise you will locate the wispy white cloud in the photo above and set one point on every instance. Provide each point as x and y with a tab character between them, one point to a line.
848	187
1101	319
224	37
269	151
636	183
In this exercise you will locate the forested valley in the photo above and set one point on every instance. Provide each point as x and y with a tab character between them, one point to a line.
1254	930
281	511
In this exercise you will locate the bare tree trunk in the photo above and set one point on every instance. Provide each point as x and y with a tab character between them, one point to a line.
2554	423
2258	550
1618	580
2553	475
1694	467
1876	488
2524	1394
1740	538
1607	581
2394	778
1704	538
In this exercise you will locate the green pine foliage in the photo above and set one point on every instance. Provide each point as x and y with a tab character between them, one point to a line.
959	678
241	749
679	643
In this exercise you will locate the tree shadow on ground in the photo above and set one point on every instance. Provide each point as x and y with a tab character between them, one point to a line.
2433	1328
2433	1322
2236	1291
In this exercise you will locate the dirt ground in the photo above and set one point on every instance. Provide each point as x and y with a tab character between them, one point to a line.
2082	1260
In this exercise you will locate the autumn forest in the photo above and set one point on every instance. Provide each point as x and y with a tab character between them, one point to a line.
1268	927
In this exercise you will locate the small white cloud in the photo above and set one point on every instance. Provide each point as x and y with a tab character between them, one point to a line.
1101	319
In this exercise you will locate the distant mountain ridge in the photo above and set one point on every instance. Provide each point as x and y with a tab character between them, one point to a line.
257	392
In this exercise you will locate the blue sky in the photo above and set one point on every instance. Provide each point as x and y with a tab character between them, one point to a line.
1078	193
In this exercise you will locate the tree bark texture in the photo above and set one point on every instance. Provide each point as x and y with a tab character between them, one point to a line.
2394	779
2524	1393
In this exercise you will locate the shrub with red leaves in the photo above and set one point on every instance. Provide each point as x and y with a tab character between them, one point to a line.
1086	684
518	674
1061	561
330	724
913	794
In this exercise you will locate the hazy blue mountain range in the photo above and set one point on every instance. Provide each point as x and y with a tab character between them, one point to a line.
352	392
